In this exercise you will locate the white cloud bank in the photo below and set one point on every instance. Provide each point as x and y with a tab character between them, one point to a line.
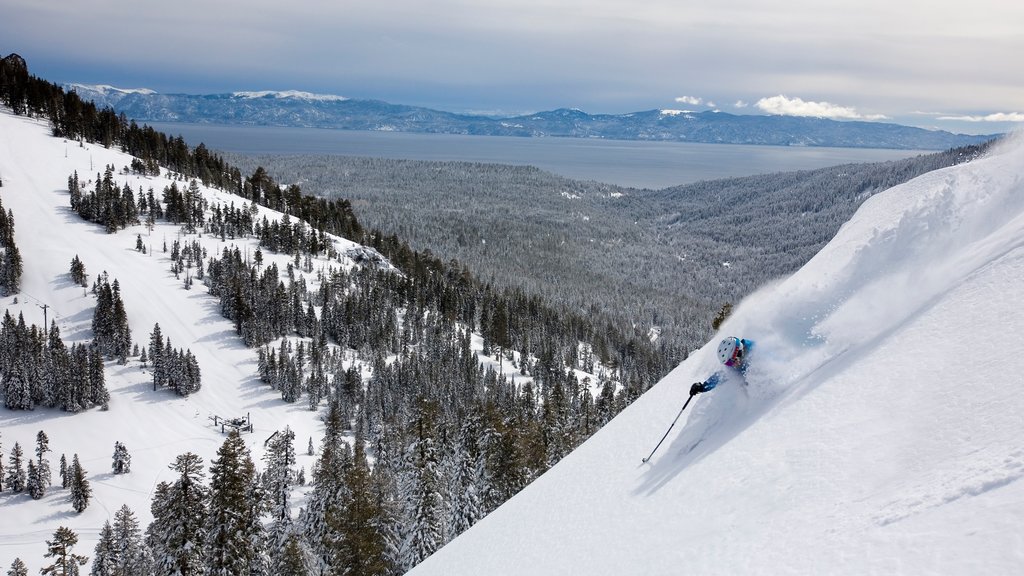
694	101
785	106
995	117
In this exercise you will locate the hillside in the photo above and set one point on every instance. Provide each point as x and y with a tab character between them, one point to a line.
878	430
156	426
649	257
300	109
398	377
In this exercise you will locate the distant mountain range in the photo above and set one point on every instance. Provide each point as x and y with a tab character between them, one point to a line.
303	109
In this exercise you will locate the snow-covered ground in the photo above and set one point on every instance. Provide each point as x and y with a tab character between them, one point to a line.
880	430
155	426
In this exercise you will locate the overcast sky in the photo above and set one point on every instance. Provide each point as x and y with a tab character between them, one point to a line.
931	63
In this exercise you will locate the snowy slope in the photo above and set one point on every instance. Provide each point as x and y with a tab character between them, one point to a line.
155	426
881	430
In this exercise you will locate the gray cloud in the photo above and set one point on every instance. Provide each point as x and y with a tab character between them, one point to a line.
875	56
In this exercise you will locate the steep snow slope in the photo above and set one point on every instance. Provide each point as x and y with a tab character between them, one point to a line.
155	426
879	431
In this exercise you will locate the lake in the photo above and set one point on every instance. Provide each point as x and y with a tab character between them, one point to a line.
626	163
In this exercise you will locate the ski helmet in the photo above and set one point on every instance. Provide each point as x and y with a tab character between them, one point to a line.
730	351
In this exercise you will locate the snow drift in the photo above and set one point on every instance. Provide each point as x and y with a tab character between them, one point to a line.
878	430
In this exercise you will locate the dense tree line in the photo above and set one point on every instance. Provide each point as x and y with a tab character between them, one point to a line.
111	332
108	204
72	118
10	257
176	369
38	369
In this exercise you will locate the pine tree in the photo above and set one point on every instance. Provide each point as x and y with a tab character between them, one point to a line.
293	559
466	503
18	568
105	556
360	547
78	274
424	533
66	562
177	534
235	539
122	463
156	356
33	485
328	487
65	475
16	476
279	475
132	555
81	491
42	464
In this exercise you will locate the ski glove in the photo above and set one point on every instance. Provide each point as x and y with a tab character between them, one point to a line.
697	388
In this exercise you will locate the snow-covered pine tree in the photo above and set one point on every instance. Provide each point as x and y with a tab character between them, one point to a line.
77	272
122	462
17	568
32	484
360	546
42	464
105	556
156	356
132	555
65	475
328	487
294	558
425	527
16	476
11	266
177	534
235	538
65	562
98	394
81	491
465	506
279	474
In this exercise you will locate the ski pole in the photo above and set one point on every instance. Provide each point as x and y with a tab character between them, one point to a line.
669	429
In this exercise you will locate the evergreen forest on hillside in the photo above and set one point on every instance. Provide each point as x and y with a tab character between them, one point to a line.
665	261
449	438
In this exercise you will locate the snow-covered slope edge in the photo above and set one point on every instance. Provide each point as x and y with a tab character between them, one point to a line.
156	426
879	431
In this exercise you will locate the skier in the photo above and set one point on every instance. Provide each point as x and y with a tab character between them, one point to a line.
734	353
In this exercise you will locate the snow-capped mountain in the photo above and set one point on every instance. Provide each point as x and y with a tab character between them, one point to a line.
299	95
301	109
878	429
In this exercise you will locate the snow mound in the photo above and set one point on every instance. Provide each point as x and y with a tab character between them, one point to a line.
877	430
